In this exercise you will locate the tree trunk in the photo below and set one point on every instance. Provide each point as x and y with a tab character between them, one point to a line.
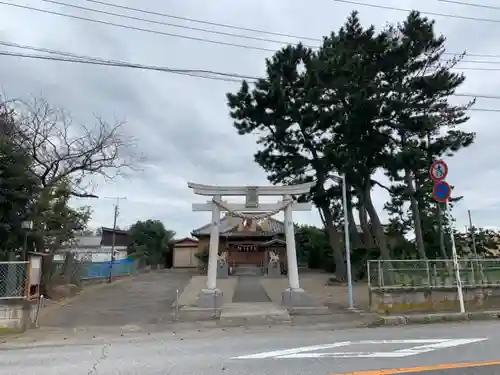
416	214
357	240
376	224
388	269
367	232
335	241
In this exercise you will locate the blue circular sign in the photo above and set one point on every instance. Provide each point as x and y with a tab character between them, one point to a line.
442	191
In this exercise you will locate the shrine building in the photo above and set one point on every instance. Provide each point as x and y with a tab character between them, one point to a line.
247	242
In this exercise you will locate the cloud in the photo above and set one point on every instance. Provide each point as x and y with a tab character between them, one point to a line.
182	122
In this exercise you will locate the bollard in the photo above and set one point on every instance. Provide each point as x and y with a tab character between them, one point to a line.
38	308
176	311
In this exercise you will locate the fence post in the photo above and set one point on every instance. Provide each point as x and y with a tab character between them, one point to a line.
473	273
368	273
38	308
176	304
434	272
380	275
427	266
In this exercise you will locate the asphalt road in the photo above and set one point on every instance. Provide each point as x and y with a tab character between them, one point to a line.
277	350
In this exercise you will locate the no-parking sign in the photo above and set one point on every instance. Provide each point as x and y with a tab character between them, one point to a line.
442	191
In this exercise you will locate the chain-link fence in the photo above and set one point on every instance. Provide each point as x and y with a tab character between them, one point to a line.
13	280
432	273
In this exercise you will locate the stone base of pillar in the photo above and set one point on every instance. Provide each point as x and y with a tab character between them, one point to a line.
297	298
274	270
222	270
210	298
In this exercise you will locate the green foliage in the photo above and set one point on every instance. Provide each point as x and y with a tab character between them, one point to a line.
312	244
362	102
203	255
54	221
487	243
18	188
150	241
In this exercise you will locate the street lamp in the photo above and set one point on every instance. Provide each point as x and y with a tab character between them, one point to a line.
27	226
342	180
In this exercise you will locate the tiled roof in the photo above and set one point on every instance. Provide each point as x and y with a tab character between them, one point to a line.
185	242
228	227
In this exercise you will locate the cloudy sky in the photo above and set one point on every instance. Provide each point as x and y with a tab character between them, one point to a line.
182	122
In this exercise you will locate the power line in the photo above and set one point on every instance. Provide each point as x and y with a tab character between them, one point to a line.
195	28
464	3
151	31
166	23
480	69
224	25
216	75
437	14
123	26
102	63
125	64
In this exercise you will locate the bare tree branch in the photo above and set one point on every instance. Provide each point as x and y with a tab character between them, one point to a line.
62	149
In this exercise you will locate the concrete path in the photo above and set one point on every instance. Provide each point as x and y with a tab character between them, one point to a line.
249	289
428	349
143	300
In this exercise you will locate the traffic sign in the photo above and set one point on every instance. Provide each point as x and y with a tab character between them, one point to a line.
438	170
442	191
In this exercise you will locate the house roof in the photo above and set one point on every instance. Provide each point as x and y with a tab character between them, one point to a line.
117	231
122	237
229	227
274	241
88	241
185	242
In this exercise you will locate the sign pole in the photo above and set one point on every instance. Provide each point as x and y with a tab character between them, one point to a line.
441	193
455	259
347	244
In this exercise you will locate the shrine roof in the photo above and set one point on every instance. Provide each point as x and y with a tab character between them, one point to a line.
229	227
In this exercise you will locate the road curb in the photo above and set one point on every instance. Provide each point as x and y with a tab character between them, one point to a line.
434	318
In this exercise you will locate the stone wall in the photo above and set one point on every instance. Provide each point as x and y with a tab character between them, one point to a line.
17	315
424	299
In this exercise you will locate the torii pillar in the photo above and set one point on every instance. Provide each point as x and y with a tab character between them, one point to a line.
211	297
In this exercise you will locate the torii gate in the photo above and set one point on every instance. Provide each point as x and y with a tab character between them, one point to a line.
294	295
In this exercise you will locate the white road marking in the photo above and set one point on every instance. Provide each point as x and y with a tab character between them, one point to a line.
312	351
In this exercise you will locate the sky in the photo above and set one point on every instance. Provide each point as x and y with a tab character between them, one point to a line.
181	123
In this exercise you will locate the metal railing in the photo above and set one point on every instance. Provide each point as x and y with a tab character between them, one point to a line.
432	273
13	280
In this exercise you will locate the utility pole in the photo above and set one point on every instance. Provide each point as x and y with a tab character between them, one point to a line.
113	240
471	227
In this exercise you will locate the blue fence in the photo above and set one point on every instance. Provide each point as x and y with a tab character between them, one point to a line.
97	270
86	270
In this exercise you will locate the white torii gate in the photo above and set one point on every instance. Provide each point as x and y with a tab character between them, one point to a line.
294	295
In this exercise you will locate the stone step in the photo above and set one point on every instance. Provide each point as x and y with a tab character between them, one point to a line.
247	270
255	313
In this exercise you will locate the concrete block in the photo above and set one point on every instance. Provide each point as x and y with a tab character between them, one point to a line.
297	298
309	310
222	270
274	270
210	298
190	313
